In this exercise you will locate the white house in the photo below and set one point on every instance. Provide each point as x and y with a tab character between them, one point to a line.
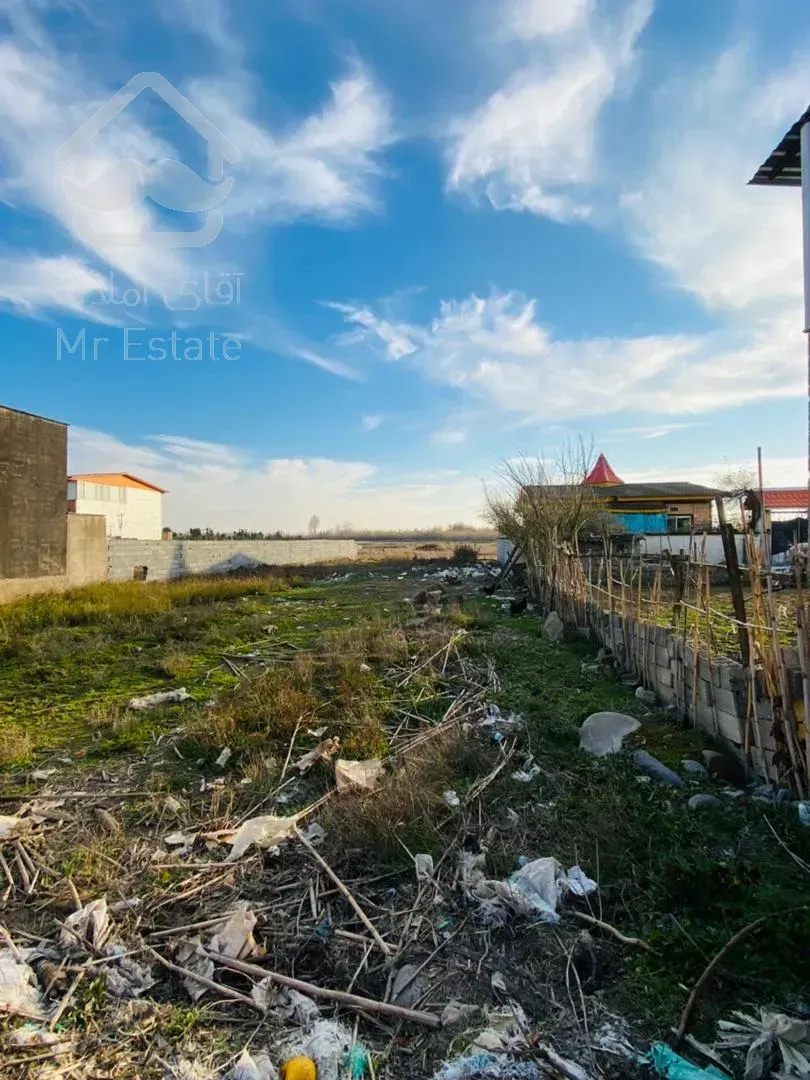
133	507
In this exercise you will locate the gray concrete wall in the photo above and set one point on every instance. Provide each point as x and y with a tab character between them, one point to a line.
33	496
710	693
85	563
166	559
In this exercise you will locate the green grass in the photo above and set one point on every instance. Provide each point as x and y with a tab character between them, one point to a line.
685	882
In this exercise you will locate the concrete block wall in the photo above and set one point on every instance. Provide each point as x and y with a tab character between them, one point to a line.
167	559
85	560
709	693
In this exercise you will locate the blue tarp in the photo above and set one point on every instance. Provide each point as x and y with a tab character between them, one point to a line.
643	523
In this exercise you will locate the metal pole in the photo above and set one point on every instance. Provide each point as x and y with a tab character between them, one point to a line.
804	138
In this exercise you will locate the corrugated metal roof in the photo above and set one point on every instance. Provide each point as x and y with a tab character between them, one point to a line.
784	166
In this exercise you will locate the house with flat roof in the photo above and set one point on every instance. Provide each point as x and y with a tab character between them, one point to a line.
133	507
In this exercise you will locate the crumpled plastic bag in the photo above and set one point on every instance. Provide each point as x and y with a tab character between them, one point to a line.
362	776
324	751
533	891
235	939
490	1067
266	831
327	1043
764	1035
89	925
19	990
250	1068
673	1067
191	955
161	697
12	826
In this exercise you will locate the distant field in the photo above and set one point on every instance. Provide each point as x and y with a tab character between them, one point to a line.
384	550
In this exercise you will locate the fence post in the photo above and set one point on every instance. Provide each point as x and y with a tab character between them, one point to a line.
735	580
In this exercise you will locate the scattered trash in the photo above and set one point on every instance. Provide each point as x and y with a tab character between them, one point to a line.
191	956
12	827
603	732
42	774
673	1067
236	939
365	668
533	891
89	926
498	983
423	864
267	831
299	1068
656	769
804	813
249	1068
19	990
162	697
646	697
224	757
529	771
762	1038
451	798
408	987
490	1067
315	833
579	884
362	776
180	839
456	1013
358	1062
324	751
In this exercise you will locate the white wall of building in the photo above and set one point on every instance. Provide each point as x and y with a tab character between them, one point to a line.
132	513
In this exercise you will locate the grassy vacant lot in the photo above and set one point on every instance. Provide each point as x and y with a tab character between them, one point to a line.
274	667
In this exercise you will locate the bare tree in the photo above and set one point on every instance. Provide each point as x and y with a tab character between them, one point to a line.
734	482
314	525
544	507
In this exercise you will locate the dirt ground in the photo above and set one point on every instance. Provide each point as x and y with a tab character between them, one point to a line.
471	720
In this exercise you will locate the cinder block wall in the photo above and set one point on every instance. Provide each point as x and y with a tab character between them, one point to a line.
166	559
709	693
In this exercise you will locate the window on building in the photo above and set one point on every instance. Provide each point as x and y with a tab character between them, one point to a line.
679	523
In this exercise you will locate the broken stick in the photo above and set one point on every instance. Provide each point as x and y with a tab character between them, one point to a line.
623	938
352	1000
387	950
209	984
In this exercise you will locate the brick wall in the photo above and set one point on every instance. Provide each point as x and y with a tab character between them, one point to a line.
166	559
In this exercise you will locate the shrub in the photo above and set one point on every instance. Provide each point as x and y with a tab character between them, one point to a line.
465	555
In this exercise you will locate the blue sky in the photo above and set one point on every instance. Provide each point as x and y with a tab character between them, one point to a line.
460	231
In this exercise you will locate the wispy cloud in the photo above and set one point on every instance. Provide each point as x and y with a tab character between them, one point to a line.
531	145
495	349
370	422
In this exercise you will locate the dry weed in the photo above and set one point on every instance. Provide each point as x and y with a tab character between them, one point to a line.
16	743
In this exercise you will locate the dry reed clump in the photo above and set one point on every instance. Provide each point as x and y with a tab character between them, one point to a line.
176	663
372	641
261	713
409	806
16	743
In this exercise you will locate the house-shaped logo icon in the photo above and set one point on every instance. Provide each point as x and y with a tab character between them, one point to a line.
124	184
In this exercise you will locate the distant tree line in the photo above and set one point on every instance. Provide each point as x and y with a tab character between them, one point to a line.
457	531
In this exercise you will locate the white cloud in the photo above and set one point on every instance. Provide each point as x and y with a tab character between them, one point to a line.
532	145
736	248
33	285
370	423
210	484
449	436
777	472
495	349
334	367
326	167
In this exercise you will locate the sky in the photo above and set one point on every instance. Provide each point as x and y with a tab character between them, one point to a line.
360	252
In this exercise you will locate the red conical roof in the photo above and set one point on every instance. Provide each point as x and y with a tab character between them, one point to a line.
602	473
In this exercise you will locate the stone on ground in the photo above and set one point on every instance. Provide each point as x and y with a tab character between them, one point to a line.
693	767
553	627
704	802
656	769
603	732
646	697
